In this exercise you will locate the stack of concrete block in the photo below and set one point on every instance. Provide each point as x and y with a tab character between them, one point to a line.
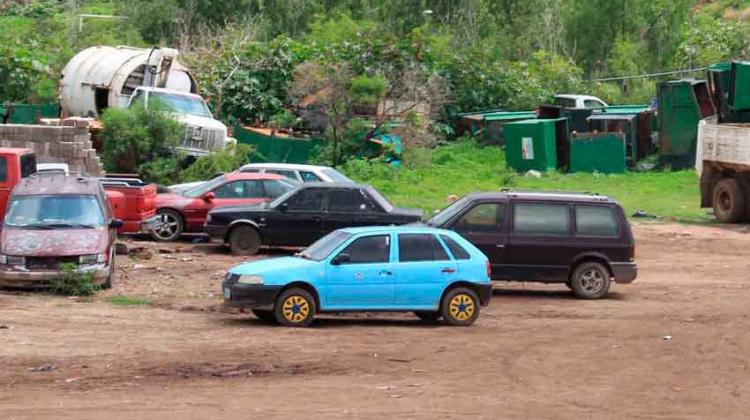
56	141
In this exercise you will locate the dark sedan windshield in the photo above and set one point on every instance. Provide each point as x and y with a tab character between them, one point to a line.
323	247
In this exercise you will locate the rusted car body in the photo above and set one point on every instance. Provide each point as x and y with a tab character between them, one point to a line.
56	219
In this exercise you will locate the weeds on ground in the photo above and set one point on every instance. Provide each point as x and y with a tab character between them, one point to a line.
122	300
71	282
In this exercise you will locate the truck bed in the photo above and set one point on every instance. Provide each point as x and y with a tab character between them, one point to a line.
724	145
133	201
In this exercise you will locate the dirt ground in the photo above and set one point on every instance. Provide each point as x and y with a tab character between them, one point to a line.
673	345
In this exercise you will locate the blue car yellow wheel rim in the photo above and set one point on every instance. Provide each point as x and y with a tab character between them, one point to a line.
462	307
295	308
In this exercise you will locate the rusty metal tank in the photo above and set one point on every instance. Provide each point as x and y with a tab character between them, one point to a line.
101	77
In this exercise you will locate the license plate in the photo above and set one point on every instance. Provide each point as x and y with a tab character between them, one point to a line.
227	293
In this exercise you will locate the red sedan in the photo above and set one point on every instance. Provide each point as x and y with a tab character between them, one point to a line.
185	212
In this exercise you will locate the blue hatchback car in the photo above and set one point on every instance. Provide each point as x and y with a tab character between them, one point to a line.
433	272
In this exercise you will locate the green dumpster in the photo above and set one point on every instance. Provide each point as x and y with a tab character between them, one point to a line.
682	104
272	146
30	113
536	144
597	152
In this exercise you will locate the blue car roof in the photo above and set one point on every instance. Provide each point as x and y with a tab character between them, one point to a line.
395	229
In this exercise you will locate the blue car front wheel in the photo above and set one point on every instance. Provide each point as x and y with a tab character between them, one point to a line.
295	308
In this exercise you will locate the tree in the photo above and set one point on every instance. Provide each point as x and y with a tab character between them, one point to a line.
142	141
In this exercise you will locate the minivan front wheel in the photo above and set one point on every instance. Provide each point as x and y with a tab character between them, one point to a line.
590	280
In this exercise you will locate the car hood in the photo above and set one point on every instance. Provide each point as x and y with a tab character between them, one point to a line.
177	188
53	242
172	200
415	213
198	121
280	265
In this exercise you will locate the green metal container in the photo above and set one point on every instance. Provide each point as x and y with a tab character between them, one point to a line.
30	113
739	94
682	104
597	152
276	148
533	144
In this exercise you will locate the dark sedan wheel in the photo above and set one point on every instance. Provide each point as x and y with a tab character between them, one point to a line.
590	280
460	307
295	308
170	226
244	240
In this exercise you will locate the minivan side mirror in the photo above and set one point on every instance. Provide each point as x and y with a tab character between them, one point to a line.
116	223
341	259
209	197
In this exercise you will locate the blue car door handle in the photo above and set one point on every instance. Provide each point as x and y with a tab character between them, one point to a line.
448	270
385	273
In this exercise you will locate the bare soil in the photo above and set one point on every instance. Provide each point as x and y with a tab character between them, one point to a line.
673	345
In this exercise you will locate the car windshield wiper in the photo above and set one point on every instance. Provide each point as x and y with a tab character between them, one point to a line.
66	225
302	255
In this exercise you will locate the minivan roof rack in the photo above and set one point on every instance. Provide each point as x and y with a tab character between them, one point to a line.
560	192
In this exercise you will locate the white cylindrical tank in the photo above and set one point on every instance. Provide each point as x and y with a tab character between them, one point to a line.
101	77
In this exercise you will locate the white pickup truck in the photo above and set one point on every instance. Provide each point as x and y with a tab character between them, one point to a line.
203	133
723	163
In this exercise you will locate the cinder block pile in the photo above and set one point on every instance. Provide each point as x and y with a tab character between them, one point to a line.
56	141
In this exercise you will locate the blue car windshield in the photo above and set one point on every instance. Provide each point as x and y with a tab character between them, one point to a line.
323	247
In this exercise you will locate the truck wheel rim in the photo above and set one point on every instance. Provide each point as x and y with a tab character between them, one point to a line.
295	308
168	227
592	280
462	307
725	201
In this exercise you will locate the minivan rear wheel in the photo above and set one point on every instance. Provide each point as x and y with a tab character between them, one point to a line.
590	280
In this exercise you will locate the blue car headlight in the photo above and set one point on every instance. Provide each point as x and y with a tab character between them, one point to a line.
250	279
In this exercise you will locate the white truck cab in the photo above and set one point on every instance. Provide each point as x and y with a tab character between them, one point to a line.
579	101
203	133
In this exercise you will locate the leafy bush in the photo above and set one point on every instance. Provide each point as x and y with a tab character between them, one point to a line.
142	141
206	167
71	282
367	90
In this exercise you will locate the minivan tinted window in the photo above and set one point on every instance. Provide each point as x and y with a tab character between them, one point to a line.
482	217
541	219
596	221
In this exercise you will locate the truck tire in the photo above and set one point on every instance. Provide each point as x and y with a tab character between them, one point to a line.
729	201
244	240
170	226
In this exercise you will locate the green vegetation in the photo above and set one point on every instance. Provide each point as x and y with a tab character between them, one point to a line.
142	141
430	176
71	282
123	300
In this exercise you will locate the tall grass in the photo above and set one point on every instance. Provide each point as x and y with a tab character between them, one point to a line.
430	176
